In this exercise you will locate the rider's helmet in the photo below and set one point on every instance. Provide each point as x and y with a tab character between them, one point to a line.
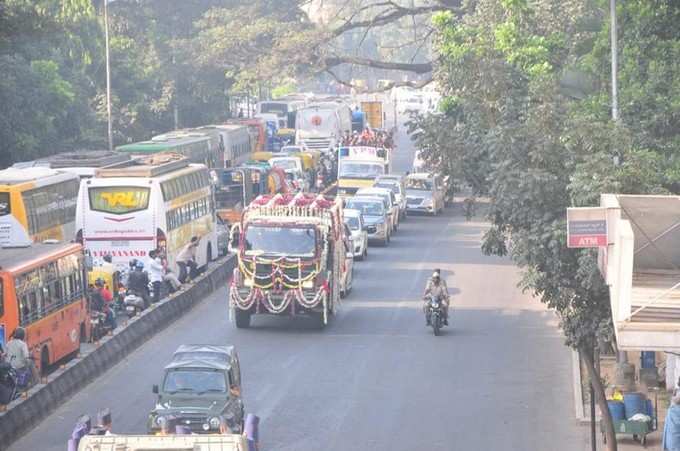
435	275
139	264
133	263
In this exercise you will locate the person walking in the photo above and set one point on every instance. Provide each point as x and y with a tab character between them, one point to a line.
155	266
187	258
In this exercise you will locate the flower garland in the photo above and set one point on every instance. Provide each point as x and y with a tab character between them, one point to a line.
256	295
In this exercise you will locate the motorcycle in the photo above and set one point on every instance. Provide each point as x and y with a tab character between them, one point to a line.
435	314
9	386
99	325
134	303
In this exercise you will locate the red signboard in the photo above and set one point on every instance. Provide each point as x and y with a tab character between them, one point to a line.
586	227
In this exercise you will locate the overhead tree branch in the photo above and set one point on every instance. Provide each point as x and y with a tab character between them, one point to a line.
418	68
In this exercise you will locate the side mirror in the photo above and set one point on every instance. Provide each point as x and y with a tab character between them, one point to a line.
349	255
154	389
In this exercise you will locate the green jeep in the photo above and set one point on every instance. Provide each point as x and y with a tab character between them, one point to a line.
201	386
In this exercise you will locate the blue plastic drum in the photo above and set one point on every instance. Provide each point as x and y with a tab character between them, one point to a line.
617	410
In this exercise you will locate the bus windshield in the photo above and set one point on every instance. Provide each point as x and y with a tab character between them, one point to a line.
349	169
118	200
280	241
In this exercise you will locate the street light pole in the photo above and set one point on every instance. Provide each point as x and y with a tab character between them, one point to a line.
614	45
108	75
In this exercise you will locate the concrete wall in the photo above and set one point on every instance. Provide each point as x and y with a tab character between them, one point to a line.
24	414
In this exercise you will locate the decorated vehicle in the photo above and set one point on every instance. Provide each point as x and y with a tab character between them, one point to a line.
292	252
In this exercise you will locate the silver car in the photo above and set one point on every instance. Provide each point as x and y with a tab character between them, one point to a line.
375	217
424	193
355	221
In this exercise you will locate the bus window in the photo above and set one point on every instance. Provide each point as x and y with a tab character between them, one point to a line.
118	199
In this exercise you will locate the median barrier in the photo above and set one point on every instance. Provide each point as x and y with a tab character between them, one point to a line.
24	414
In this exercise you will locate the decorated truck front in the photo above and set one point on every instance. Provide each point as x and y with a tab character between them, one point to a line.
290	257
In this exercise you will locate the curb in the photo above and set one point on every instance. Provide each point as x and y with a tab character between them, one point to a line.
24	414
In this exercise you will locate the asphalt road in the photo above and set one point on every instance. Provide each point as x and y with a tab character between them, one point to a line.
376	378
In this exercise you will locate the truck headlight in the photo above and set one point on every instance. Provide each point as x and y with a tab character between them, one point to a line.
308	284
214	423
248	282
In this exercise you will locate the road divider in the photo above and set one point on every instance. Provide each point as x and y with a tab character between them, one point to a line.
25	413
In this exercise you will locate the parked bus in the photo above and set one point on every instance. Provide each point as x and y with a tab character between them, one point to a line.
37	204
81	162
197	147
156	202
42	289
235	140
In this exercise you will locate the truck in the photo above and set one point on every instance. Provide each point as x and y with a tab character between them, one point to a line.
359	166
321	126
374	113
291	258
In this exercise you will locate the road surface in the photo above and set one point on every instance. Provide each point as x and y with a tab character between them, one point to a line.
376	378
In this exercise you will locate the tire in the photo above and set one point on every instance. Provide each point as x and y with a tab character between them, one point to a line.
242	319
436	325
365	250
44	361
209	255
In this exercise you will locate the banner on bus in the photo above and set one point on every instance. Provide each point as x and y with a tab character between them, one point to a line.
586	227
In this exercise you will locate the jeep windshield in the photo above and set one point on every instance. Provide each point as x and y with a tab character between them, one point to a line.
357	170
280	241
197	381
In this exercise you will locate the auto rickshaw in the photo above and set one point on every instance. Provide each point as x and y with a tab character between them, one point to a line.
111	277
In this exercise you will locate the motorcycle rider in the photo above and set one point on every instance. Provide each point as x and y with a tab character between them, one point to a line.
138	282
436	287
18	355
107	300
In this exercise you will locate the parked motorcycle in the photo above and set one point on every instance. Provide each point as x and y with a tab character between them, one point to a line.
9	387
134	303
435	314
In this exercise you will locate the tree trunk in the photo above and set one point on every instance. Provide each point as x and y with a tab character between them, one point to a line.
600	398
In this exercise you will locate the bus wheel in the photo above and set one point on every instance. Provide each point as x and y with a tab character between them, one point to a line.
44	361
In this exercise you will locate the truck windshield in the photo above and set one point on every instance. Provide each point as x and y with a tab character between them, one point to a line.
284	163
280	241
195	381
350	169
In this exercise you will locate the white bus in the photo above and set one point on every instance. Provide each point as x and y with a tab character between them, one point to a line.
157	202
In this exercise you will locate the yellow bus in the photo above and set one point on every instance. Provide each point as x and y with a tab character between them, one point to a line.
37	204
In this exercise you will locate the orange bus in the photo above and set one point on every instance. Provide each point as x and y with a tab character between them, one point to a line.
43	290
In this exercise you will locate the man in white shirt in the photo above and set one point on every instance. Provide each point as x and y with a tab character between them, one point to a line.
155	270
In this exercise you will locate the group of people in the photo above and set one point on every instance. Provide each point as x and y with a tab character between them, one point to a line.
140	276
368	137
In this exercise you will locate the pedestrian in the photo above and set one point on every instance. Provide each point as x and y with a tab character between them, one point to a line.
19	357
187	258
671	428
155	275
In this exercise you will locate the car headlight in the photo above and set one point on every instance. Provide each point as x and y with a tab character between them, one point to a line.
206	427
427	202
214	423
159	420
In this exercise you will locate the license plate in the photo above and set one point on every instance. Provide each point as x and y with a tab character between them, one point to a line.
120	243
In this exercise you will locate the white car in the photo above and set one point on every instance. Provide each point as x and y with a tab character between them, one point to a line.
425	193
355	222
397	183
392	205
347	277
